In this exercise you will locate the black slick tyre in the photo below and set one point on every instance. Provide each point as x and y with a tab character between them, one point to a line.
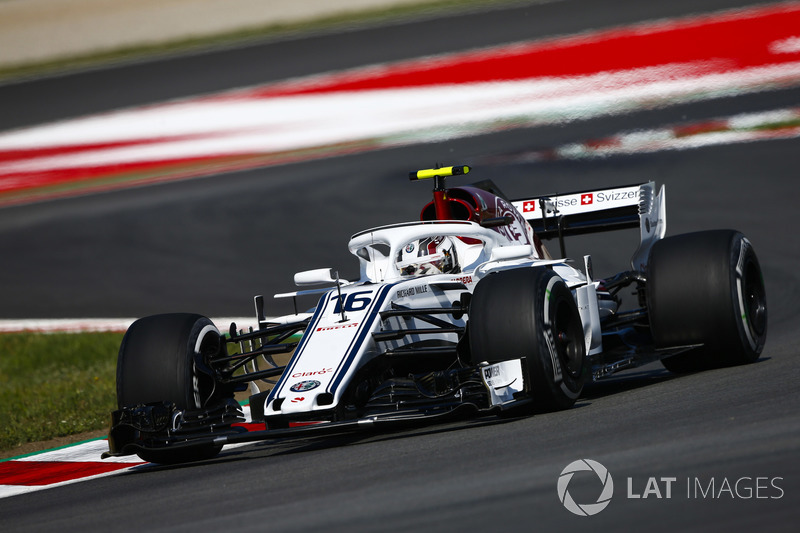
707	288
531	313
162	359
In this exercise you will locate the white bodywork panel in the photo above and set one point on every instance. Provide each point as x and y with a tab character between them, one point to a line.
503	380
338	341
652	224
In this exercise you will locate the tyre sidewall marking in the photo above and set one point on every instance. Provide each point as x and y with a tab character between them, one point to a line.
208	328
742	311
547	329
549	336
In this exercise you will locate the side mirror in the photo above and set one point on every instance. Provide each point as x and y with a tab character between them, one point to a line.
318	276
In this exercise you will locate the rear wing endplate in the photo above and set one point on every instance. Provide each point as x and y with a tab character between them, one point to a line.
593	211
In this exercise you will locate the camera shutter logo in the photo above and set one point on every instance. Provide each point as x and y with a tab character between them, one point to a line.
586	509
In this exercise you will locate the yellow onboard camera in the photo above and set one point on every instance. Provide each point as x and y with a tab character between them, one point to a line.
438	172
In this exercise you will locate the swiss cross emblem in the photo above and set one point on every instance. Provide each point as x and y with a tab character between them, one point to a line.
527	207
587	199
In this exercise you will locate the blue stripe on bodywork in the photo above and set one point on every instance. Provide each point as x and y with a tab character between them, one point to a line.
318	313
359	338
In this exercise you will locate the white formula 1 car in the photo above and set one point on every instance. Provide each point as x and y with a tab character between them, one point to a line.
464	312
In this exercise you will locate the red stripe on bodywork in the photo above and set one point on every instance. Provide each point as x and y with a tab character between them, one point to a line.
251	426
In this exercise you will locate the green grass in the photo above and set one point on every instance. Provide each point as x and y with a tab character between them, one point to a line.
54	385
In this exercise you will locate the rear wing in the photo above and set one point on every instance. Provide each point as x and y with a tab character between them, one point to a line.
579	213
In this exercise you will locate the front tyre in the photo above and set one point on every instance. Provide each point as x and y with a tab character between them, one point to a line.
707	288
531	313
163	358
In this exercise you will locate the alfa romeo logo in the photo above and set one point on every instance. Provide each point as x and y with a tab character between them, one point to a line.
305	385
585	509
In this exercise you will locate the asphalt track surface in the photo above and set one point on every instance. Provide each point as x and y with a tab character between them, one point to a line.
208	245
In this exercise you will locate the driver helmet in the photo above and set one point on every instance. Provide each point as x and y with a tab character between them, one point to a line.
431	255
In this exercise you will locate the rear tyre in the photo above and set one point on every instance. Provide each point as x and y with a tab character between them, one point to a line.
163	359
707	288
531	313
